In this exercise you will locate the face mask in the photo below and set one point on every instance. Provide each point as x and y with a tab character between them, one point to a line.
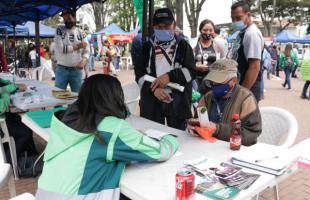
220	90
164	35
69	25
206	36
238	26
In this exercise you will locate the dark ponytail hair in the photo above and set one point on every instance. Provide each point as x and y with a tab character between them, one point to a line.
100	96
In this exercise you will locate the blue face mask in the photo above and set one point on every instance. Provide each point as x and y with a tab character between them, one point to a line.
164	35
239	25
220	90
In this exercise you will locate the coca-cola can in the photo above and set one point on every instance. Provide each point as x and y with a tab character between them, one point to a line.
185	184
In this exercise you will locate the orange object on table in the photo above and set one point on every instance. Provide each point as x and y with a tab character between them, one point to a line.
206	133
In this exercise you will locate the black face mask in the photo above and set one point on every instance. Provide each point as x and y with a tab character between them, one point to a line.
206	36
69	25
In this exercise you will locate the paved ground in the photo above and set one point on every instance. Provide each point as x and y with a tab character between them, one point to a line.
295	188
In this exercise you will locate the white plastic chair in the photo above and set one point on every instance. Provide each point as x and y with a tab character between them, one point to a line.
25	196
280	128
11	142
46	66
132	96
6	175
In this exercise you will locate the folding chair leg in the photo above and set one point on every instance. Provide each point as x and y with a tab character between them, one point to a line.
12	188
276	192
13	156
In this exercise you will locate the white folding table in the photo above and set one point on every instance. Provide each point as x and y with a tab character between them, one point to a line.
148	181
41	96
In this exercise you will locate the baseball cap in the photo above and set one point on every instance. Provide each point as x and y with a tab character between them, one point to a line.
163	15
222	70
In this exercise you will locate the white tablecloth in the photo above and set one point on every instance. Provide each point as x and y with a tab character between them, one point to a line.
154	181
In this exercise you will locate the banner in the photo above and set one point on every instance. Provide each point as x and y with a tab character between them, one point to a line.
305	70
139	10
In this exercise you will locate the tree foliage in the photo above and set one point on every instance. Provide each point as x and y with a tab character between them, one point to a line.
296	12
192	9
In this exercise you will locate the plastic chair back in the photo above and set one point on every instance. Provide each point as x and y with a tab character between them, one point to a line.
279	127
132	95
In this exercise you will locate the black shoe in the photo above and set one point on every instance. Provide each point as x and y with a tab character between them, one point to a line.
289	88
304	96
283	85
93	70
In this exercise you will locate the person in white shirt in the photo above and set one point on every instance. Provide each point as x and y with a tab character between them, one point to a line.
71	53
32	56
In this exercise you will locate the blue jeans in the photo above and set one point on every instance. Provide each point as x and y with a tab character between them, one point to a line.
304	90
116	61
91	63
287	72
34	63
68	75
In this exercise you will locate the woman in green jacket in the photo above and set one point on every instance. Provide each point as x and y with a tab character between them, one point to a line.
288	61
91	142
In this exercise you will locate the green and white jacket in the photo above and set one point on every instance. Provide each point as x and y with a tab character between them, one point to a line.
77	166
6	87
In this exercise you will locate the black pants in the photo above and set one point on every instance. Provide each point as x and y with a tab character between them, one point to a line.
166	112
21	134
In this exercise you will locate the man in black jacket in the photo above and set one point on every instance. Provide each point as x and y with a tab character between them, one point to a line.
167	58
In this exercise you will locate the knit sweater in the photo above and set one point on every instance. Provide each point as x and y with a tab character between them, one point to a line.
64	41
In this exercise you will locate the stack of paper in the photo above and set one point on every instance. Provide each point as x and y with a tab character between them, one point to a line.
264	157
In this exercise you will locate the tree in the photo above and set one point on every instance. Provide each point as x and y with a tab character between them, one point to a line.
52	21
192	9
291	10
177	8
100	13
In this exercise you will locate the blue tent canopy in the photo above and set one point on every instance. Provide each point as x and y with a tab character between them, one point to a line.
19	11
304	40
135	31
45	31
285	37
112	29
10	31
232	37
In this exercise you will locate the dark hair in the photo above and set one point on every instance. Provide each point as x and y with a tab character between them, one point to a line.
217	30
245	6
204	22
100	96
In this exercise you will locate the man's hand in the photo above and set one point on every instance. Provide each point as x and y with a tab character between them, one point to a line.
191	124
202	67
160	82
22	87
162	95
81	45
82	64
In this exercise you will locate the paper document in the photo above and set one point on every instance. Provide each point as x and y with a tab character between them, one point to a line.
172	85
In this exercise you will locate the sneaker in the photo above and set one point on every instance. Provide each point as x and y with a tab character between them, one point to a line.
283	85
289	88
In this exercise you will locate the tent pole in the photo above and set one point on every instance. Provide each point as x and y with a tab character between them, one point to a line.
37	42
15	56
144	26
151	12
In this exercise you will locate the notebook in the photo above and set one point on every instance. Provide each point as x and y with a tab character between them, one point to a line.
264	157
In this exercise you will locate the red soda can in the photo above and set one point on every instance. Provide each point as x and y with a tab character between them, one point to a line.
185	184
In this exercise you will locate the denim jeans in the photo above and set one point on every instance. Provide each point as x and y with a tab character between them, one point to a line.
91	63
287	72
304	90
68	75
262	84
34	63
116	61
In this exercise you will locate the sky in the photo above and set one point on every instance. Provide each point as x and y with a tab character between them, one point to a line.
216	10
